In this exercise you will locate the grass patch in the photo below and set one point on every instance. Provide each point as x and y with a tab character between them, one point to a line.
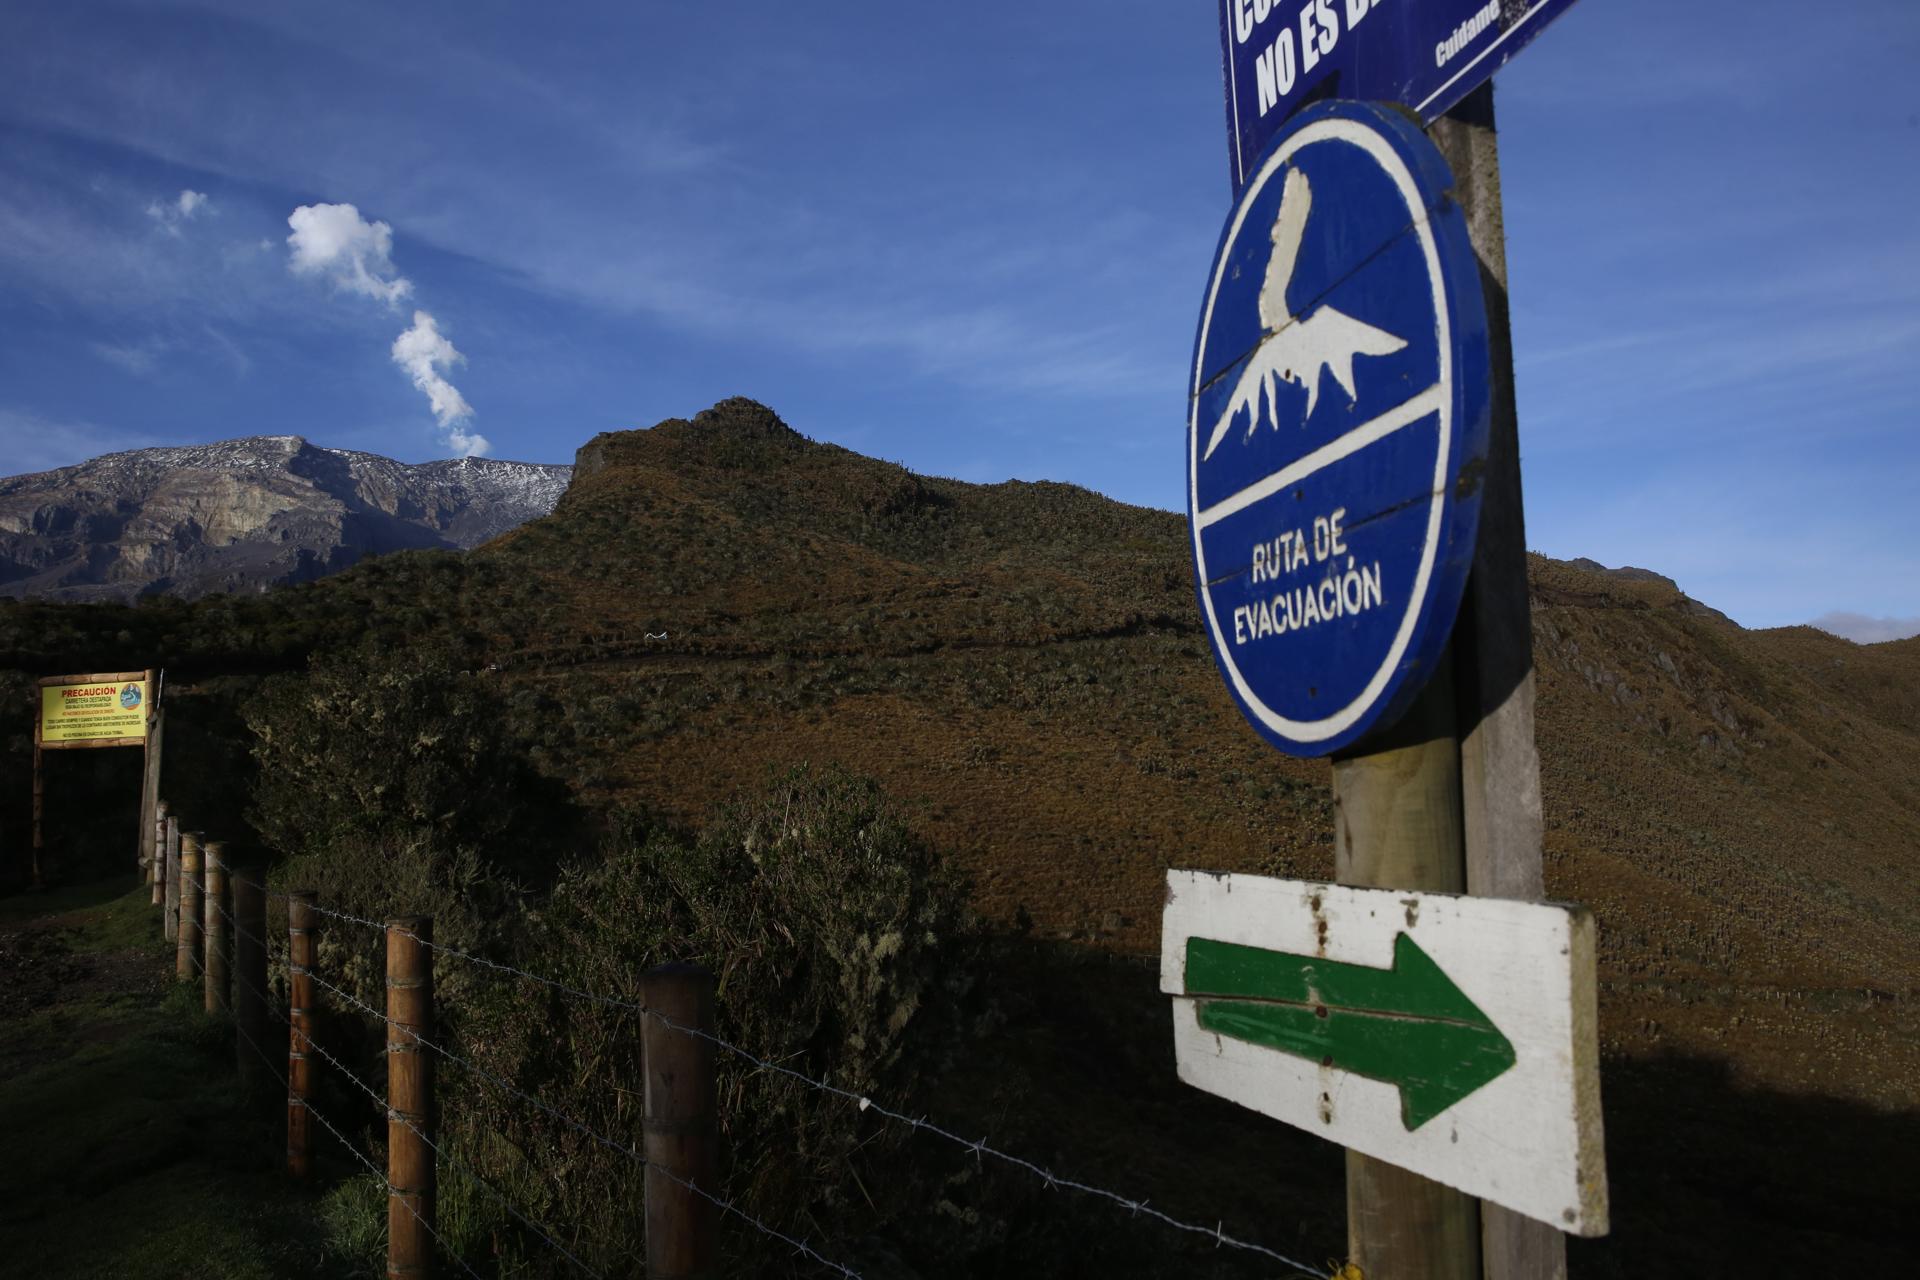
112	911
120	922
133	1150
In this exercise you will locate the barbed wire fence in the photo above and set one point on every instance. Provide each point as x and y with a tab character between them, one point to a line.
347	1074
1135	1207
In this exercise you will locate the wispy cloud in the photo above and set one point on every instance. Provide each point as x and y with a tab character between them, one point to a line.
184	207
1861	629
138	358
659	218
219	342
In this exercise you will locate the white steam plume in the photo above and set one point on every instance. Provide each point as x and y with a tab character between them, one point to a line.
355	255
424	352
334	241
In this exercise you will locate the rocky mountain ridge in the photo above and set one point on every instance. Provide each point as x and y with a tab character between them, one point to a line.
247	514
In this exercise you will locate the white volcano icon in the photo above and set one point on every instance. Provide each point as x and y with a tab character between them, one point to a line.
1293	348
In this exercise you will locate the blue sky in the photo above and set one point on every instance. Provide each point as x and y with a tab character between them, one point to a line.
970	238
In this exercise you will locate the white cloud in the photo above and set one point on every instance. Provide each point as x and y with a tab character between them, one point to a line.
1861	629
355	254
335	242
184	207
426	354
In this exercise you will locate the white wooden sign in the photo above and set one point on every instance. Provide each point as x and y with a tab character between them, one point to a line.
1449	1035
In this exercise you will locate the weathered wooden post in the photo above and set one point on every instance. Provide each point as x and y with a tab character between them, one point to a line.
186	963
218	931
1419	685
1493	642
410	1171
153	731
1397	825
300	948
156	858
681	1128
250	971
39	796
170	908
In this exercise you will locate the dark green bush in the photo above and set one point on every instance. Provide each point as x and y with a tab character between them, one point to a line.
840	947
409	750
391	785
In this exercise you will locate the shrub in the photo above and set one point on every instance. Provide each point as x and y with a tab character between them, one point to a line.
400	747
839	943
391	786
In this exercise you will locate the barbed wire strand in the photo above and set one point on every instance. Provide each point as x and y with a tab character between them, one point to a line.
364	1159
273	1069
368	1089
978	1147
341	1067
307	1105
799	1246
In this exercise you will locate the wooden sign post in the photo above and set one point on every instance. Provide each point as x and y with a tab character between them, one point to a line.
1501	819
150	774
1451	800
1420	685
1397	825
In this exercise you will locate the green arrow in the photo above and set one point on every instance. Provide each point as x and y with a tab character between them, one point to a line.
1409	1026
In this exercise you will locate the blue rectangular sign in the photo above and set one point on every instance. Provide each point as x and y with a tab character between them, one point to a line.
1281	55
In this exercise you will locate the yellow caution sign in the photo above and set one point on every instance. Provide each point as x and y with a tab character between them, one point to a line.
110	711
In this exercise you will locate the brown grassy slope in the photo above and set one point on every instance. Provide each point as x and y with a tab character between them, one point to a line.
1023	665
1741	809
1019	661
750	539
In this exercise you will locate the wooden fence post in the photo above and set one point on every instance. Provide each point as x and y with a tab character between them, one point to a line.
300	921
410	1156
186	956
213	969
150	750
170	908
681	1128
250	972
157	855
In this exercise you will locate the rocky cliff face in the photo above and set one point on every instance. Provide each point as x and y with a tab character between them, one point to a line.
244	515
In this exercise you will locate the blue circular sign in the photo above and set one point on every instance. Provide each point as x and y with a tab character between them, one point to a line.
1337	428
